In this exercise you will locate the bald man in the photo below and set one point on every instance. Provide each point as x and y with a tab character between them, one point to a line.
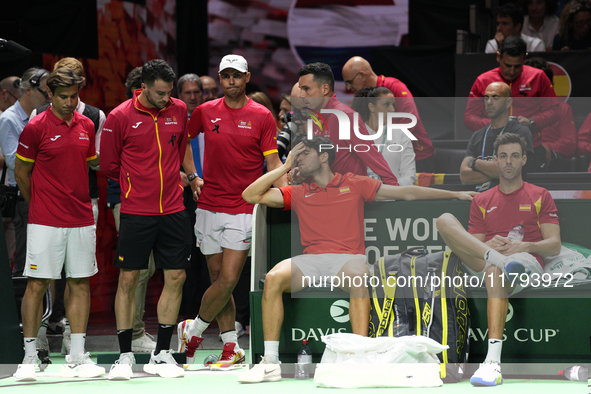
357	74
210	88
9	93
478	167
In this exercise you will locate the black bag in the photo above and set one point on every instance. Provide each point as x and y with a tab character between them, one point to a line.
8	197
426	305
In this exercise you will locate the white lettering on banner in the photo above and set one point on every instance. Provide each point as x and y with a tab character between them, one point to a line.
298	334
399	231
368	229
345	125
521	334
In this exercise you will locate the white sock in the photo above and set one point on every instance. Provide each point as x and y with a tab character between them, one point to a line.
494	350
30	346
42	330
77	345
197	326
272	351
494	257
230	336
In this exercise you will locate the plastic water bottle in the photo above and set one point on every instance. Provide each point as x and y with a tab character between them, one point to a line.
577	373
302	368
211	359
517	232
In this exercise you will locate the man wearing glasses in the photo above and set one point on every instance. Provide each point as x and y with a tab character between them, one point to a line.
33	94
8	92
357	74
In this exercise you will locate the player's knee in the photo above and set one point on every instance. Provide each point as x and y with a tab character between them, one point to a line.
176	277
274	280
444	221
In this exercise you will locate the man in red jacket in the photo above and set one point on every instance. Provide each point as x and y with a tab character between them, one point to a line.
143	145
357	74
525	83
352	155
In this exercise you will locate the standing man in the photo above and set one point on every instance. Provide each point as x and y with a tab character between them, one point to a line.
478	166
487	251
59	290
239	136
33	89
317	92
52	174
210	88
509	23
143	146
357	74
534	100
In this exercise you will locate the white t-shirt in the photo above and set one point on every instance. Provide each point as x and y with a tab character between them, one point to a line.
546	33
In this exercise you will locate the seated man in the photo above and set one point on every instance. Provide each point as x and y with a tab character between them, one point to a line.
478	166
330	212
509	23
511	227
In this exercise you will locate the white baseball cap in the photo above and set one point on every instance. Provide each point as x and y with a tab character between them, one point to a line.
236	62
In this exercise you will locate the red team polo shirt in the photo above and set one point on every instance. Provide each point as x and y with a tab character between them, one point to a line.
531	83
496	213
59	181
236	143
423	146
331	218
143	148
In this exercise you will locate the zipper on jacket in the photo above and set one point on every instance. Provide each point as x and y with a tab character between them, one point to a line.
128	181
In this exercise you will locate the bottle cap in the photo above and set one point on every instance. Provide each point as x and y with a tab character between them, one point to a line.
304	341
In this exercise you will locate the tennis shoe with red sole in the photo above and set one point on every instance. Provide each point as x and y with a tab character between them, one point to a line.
231	355
188	344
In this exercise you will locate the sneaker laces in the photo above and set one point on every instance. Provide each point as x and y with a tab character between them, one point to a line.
227	353
166	356
192	345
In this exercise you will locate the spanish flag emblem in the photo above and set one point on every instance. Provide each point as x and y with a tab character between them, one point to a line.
344	190
120	258
524	208
33	267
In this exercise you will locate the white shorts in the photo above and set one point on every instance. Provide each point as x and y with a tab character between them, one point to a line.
50	248
217	230
319	266
528	260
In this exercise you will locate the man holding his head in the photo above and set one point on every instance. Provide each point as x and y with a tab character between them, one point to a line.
478	166
58	144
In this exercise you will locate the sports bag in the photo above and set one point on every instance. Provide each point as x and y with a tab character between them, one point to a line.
417	295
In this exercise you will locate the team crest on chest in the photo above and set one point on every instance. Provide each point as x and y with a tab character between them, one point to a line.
83	136
244	125
172	120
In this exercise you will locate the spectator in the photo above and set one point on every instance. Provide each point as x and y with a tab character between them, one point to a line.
584	138
284	108
478	166
541	21
509	23
560	138
210	88
264	100
526	82
357	73
9	92
575	27
33	93
373	104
